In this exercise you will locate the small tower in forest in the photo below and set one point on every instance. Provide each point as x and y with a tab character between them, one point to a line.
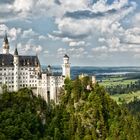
16	70
5	45
66	66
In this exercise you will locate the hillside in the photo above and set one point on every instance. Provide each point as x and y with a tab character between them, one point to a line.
81	114
21	116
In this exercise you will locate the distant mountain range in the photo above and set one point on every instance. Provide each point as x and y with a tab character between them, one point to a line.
98	71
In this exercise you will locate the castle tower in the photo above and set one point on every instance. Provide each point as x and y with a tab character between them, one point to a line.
66	66
5	45
16	70
93	80
49	70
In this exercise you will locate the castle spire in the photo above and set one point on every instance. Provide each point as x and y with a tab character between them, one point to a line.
5	44
5	38
16	51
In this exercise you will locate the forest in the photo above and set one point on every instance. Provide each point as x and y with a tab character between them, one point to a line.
82	114
123	89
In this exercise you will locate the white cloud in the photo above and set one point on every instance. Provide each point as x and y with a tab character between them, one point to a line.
23	7
3	28
102	6
13	33
29	49
105	31
29	34
37	49
80	43
5	8
101	39
41	37
46	52
53	37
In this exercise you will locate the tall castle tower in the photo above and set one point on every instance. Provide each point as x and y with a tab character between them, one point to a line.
16	70
5	45
66	66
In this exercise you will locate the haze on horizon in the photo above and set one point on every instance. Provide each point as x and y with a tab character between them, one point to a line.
91	32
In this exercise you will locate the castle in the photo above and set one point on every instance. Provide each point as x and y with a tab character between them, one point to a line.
19	71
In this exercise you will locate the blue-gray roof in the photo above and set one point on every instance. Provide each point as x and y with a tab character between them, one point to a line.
7	60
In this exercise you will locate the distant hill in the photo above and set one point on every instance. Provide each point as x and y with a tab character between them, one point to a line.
82	114
100	72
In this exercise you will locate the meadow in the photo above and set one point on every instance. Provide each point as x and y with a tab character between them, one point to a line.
127	98
116	80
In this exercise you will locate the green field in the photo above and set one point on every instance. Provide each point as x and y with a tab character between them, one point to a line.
116	80
123	80
119	98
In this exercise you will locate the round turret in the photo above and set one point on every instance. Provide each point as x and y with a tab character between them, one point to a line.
16	57
66	66
66	59
16	70
49	69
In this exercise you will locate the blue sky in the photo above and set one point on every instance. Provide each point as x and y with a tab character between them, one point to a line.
91	32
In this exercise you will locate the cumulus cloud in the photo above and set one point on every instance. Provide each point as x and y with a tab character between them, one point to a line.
78	44
29	49
29	34
12	33
61	51
88	27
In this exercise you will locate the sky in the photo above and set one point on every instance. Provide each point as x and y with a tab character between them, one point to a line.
91	32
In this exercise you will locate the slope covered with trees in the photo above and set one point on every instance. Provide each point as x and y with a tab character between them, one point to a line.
83	113
21	116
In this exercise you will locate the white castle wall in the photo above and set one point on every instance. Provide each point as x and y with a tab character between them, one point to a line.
46	84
